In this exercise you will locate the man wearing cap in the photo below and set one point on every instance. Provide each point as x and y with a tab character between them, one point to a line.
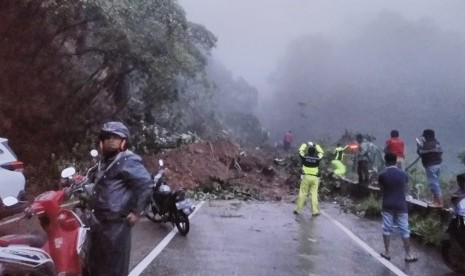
310	155
122	187
430	152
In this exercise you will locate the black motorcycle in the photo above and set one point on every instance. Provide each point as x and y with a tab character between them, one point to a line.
453	243
169	206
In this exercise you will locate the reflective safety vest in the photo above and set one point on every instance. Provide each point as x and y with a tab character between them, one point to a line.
310	163
339	152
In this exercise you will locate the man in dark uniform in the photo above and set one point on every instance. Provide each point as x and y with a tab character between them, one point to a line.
122	187
363	160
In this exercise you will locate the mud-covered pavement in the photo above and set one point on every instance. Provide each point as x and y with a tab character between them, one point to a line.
263	238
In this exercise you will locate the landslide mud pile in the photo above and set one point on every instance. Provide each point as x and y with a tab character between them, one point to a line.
224	169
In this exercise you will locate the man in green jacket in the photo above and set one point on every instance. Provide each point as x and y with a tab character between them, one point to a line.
311	155
339	167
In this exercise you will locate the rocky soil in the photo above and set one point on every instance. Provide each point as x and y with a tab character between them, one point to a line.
224	170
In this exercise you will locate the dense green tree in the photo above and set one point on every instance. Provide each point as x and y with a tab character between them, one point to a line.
68	65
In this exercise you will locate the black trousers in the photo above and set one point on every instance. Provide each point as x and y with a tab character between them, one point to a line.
363	174
110	248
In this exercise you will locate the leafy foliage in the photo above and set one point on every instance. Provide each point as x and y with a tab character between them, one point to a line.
370	206
429	228
68	65
95	56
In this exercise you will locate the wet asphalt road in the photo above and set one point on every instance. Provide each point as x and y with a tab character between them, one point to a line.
263	238
250	238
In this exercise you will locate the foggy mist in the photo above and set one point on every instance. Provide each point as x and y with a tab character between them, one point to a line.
326	66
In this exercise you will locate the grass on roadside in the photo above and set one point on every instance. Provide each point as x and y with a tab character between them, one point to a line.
428	227
369	207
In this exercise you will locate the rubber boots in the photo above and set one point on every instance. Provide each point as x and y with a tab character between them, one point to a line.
438	202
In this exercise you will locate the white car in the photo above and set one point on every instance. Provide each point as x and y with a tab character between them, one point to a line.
12	179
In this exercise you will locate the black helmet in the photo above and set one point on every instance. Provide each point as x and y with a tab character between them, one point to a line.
311	149
116	128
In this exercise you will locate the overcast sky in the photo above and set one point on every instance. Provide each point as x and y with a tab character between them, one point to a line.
426	56
253	34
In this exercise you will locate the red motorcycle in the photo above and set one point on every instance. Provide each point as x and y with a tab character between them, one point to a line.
58	250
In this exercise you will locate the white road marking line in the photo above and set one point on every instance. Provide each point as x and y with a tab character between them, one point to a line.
365	246
140	267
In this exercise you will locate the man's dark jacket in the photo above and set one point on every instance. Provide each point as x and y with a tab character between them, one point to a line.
122	186
430	152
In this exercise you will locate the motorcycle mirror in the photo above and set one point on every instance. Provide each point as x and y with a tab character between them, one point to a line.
68	172
160	162
9	201
94	153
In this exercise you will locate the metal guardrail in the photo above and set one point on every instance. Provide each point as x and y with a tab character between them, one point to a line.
420	203
371	188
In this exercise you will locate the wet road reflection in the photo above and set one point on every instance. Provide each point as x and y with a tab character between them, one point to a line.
324	249
263	238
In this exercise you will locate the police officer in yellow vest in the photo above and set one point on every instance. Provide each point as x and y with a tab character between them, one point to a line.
311	155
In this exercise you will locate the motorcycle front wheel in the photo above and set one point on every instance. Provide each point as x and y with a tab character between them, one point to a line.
453	255
181	221
152	214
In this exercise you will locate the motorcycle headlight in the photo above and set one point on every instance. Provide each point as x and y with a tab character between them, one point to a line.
165	189
460	207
